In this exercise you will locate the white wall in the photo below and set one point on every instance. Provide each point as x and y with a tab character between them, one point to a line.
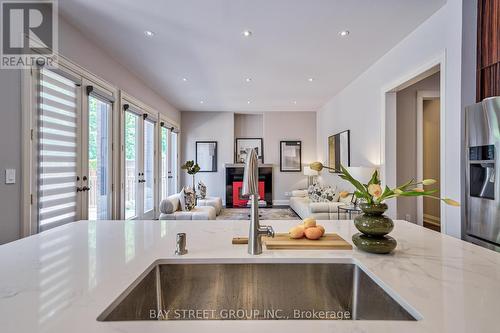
280	126
10	153
74	45
208	126
406	143
358	107
248	125
220	127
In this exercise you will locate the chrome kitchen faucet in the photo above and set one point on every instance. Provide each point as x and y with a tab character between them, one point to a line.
251	189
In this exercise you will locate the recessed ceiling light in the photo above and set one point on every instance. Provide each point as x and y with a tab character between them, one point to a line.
344	33
201	102
248	102
310	79
149	33
248	79
294	102
184	79
246	33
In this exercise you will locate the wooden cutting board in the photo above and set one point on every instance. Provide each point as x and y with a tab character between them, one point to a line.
329	241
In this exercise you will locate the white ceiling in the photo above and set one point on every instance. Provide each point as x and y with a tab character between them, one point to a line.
292	40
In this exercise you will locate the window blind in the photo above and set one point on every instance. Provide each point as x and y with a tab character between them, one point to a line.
57	150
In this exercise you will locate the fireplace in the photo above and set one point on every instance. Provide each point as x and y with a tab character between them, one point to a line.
234	182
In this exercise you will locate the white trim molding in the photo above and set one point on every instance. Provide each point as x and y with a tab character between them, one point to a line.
388	114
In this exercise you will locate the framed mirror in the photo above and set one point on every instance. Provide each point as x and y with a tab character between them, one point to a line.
206	155
339	150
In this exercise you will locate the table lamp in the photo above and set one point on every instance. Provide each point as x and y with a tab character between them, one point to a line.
310	173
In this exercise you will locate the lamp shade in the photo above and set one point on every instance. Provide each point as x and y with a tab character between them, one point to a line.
310	172
362	174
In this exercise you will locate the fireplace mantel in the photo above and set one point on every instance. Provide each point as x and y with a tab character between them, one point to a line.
242	165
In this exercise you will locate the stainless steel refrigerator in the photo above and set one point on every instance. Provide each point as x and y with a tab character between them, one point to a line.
482	173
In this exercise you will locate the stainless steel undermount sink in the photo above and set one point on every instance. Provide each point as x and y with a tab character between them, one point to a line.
255	291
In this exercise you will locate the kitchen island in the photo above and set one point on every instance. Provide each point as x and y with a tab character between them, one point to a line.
61	280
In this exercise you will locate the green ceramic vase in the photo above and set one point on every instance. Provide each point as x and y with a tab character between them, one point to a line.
374	227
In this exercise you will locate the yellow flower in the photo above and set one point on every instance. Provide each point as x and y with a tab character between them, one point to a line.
343	194
316	166
375	190
451	202
427	182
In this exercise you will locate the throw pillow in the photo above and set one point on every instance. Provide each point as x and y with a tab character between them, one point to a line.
299	193
189	198
182	200
202	189
318	193
166	206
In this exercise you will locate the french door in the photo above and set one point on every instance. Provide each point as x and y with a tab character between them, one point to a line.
56	137
72	149
139	150
168	160
164	159
97	153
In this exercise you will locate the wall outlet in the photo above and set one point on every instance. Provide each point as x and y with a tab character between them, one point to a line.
408	217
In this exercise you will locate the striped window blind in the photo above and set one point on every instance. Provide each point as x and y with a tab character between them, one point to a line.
57	150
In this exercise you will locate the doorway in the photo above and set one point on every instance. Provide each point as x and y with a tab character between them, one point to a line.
403	141
428	158
417	143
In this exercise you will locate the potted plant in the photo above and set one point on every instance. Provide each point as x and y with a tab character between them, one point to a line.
375	226
191	168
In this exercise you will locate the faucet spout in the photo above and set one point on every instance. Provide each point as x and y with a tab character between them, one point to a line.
251	188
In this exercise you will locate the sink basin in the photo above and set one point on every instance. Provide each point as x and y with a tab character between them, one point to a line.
324	291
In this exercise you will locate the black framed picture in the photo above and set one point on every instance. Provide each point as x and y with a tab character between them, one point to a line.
241	146
290	156
339	152
206	155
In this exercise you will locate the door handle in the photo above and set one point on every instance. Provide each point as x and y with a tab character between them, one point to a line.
79	189
86	188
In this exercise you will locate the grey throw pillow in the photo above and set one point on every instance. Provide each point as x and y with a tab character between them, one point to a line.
182	201
166	206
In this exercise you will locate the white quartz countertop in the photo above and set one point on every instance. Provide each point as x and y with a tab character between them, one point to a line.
62	279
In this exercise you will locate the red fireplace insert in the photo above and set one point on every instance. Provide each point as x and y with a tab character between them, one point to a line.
238	200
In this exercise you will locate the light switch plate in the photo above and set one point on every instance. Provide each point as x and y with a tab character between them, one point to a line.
10	176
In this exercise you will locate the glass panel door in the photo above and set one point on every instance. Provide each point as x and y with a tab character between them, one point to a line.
148	181
57	156
131	151
99	158
164	162
173	174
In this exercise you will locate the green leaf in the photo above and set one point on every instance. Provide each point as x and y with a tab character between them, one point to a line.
347	176
417	194
375	178
387	192
405	185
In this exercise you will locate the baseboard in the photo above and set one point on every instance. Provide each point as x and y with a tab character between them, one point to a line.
434	220
281	202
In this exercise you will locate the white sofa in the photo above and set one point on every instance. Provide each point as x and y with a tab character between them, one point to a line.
302	205
170	209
